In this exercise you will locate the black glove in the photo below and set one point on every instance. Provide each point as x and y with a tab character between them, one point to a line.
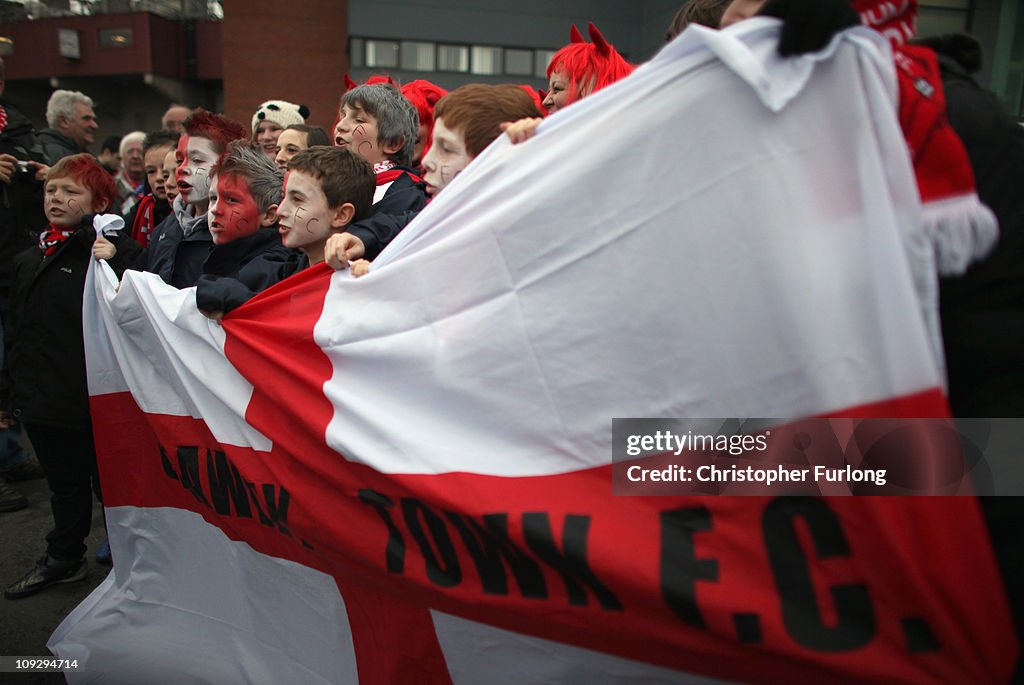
808	25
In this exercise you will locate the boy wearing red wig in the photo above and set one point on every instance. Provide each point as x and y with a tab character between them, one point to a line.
44	383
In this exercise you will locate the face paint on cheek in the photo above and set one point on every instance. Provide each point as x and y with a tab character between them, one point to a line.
200	181
237	208
180	154
363	147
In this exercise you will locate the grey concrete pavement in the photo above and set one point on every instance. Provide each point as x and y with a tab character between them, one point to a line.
26	624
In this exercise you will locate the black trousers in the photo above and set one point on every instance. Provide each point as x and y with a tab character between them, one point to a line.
68	458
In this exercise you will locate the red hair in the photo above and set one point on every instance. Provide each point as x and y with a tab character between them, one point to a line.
591	65
424	96
84	170
373	80
537	96
216	128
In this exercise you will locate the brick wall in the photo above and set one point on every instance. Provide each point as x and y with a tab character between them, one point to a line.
295	51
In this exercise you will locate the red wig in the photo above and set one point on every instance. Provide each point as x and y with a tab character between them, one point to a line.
373	80
84	170
216	128
588	66
537	96
424	96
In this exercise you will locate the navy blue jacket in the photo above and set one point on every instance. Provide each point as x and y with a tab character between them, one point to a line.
235	272
178	259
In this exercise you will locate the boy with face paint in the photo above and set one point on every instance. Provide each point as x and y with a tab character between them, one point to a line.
180	245
325	189
44	384
466	121
245	192
380	125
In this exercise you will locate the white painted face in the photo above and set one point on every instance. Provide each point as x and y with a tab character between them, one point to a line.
194	171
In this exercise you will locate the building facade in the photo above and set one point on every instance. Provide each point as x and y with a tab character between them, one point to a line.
136	56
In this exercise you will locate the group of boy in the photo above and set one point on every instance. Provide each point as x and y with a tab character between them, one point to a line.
224	217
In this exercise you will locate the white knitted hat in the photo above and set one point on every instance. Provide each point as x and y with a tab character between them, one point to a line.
280	112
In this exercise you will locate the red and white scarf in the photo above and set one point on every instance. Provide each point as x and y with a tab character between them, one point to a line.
3	119
51	238
961	228
145	220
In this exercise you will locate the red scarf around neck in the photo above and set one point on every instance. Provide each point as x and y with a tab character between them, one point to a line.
51	238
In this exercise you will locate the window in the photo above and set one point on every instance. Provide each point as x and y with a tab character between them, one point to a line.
452	58
382	53
422	55
486	60
357	52
540	62
519	62
115	38
417	56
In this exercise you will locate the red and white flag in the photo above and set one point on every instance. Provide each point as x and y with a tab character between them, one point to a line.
406	477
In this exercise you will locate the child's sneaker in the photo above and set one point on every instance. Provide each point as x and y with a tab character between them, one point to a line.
48	571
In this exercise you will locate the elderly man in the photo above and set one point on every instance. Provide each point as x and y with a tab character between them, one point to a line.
173	118
131	174
72	125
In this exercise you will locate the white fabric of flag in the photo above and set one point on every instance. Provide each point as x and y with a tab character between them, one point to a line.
722	234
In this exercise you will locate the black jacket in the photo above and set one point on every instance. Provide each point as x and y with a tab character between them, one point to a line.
403	200
982	312
261	255
378	229
178	259
56	146
44	380
21	200
224	294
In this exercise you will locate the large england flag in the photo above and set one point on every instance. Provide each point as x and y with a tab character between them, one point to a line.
406	478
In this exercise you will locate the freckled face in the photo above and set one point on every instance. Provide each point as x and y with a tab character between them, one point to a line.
66	202
446	158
